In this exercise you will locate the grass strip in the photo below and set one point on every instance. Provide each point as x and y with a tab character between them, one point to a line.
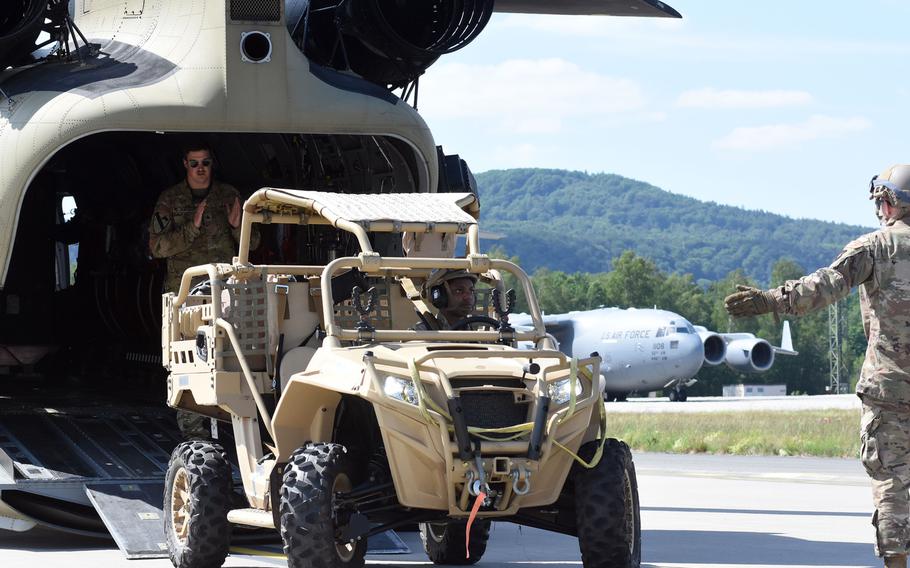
821	433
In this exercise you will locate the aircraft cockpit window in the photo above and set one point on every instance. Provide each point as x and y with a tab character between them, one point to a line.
68	207
682	330
690	328
66	243
661	331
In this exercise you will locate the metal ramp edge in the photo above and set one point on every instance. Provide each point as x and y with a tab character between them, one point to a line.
133	514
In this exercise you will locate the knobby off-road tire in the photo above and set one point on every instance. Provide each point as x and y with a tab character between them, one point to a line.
444	542
314	474
606	508
197	497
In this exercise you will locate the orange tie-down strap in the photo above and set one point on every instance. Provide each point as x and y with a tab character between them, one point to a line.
467	530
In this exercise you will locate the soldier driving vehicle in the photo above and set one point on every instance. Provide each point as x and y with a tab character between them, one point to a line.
452	292
879	264
96	96
381	425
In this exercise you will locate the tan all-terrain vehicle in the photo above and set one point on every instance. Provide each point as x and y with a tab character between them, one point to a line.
350	420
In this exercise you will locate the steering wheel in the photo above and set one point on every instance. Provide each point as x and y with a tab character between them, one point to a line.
467	322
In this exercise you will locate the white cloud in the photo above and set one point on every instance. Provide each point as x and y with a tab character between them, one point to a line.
525	96
731	99
587	26
776	136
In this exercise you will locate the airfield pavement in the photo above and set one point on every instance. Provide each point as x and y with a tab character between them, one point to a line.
698	511
736	404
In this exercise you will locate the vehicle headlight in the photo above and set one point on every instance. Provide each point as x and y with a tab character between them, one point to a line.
400	389
560	391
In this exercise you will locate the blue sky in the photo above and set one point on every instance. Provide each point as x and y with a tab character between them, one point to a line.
784	106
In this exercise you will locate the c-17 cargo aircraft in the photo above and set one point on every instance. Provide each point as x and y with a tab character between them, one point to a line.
647	350
97	97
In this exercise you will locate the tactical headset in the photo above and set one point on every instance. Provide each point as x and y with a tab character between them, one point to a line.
439	296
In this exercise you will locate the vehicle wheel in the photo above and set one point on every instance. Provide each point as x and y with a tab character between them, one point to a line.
673	395
606	508
682	396
444	542
197	497
314	476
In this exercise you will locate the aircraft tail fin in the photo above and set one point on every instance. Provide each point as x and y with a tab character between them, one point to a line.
786	342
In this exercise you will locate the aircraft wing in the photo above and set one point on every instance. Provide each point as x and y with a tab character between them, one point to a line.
558	320
639	8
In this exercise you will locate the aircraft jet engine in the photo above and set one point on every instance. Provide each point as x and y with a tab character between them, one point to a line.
715	346
749	355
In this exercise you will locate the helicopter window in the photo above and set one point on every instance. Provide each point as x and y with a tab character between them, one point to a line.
67	242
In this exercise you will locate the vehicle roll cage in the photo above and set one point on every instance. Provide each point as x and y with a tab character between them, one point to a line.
359	214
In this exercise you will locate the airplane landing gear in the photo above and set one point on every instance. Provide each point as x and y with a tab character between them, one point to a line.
678	394
615	396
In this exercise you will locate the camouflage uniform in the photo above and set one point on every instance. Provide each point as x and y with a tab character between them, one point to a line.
172	235
879	263
193	426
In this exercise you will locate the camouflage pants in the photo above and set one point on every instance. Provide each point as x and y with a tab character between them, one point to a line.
193	426
885	436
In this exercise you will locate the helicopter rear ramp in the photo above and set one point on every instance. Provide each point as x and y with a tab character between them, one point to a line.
91	471
100	471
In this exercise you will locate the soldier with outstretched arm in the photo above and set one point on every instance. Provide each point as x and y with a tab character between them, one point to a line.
196	221
879	264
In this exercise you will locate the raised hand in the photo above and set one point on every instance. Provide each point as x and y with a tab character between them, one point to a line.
197	218
233	213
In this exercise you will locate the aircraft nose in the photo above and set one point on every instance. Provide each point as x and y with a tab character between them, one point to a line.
690	354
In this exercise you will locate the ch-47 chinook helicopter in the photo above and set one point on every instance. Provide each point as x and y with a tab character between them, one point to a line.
96	99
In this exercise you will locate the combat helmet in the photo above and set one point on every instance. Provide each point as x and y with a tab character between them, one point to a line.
892	185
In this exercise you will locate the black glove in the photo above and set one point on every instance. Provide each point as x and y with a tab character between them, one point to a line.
749	301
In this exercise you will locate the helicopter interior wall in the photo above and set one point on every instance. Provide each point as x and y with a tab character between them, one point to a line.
84	288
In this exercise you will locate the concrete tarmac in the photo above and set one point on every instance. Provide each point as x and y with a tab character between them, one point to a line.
738	404
698	511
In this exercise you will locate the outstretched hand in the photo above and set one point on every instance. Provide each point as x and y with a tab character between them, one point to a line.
748	301
233	213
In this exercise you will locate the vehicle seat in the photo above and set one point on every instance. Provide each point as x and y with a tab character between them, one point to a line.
294	361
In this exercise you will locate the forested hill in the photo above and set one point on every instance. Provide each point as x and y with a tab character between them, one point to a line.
578	222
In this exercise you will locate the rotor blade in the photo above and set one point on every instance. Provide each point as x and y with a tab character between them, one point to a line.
639	8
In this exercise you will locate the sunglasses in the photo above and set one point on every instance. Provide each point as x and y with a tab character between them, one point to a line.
206	162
